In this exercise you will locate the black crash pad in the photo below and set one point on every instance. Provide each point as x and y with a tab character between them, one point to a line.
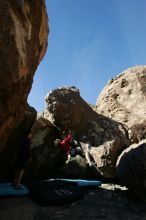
55	192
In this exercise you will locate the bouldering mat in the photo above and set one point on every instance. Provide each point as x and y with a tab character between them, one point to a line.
54	192
84	183
6	189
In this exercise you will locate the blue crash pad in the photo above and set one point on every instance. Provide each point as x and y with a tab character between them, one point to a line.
82	182
7	190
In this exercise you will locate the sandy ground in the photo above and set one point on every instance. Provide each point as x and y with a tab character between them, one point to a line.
109	201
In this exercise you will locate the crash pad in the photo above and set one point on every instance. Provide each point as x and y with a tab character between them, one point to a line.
55	192
84	183
6	189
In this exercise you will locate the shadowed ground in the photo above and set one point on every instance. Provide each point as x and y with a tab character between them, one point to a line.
110	201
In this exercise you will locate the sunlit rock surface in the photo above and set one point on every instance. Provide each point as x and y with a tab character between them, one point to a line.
23	42
124	100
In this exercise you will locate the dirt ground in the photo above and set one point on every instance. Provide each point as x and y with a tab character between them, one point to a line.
109	201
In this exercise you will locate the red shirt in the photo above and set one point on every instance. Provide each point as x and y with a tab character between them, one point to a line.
65	144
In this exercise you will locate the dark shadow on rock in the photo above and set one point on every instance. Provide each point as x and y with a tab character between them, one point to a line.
131	170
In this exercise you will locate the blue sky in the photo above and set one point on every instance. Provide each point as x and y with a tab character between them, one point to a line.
90	42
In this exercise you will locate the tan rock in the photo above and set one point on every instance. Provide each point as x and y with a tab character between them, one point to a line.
23	42
124	97
67	110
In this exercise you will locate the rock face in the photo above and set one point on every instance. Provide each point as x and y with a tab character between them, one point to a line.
131	168
78	168
123	99
67	110
46	157
137	132
9	153
23	42
48	160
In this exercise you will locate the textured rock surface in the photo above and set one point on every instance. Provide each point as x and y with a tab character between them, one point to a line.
49	160
137	132
124	98
46	158
9	154
131	168
77	168
67	110
23	42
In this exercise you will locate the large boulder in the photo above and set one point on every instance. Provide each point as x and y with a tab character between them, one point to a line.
77	167
47	158
67	110
123	100
137	132
9	153
131	168
23	42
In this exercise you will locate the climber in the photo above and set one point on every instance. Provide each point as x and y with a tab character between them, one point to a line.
65	144
22	160
70	147
76	148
